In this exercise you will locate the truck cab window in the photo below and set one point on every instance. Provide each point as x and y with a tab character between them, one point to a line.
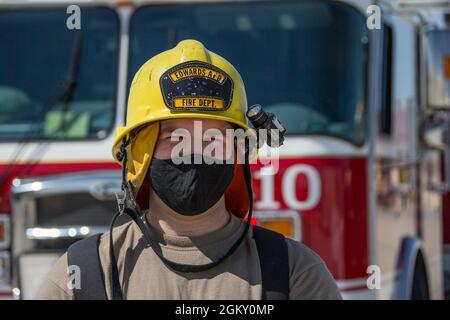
386	85
304	61
30	42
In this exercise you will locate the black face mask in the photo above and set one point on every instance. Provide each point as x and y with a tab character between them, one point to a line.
189	189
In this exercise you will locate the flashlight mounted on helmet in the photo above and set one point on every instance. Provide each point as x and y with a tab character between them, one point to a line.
269	122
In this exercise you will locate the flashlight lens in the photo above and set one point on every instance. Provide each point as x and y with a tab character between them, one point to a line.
254	110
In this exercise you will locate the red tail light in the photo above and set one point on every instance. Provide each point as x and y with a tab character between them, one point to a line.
5	191
253	221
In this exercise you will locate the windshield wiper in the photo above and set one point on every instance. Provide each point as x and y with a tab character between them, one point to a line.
71	81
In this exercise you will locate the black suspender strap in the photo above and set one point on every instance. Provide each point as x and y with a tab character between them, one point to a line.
272	251
274	261
85	255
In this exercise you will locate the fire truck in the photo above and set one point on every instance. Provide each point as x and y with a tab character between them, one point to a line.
362	87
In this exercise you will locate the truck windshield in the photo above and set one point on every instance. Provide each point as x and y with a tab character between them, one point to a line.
304	61
36	52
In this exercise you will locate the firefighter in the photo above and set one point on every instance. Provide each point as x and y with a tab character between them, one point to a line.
190	236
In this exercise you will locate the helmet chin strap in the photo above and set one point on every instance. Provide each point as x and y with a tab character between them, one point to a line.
129	206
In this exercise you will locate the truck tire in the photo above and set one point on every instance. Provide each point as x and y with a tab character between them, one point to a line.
420	289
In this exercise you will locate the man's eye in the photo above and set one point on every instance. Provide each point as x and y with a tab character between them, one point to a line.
214	139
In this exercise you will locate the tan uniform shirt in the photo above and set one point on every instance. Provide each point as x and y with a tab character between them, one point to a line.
144	276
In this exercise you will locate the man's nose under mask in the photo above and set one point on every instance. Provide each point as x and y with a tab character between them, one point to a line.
189	188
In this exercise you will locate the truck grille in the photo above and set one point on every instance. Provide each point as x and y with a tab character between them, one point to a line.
50	213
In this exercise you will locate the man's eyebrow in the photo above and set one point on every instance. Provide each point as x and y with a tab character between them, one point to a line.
213	130
224	130
170	129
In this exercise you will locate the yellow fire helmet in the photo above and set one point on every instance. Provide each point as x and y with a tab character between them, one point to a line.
160	91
